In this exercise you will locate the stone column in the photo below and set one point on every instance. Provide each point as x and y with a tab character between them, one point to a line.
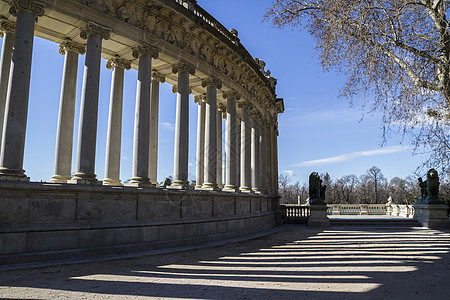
210	182
245	149
87	127
114	137
230	143
181	148
255	156
238	152
16	108
263	156
275	159
154	113
268	145
141	121
64	136
7	32
219	170
200	160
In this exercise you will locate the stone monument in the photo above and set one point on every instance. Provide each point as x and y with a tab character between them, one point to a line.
430	210
318	208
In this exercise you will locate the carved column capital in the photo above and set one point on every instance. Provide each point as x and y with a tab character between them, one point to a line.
158	76
212	82
183	67
69	45
221	108
95	29
34	7
118	62
231	94
146	50
199	98
6	27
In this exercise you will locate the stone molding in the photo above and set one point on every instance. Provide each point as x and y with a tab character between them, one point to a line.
118	62
183	67
212	82
34	7
95	29
146	50
158	76
6	27
69	45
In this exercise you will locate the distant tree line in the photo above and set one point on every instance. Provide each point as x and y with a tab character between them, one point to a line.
369	188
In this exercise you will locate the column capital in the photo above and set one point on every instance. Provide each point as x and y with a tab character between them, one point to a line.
146	50
118	62
211	81
158	76
183	67
34	7
69	45
221	108
95	29
6	27
231	95
199	98
245	105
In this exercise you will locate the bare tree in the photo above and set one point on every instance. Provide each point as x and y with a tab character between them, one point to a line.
396	54
378	179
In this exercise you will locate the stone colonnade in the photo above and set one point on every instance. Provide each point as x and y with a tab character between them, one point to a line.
250	139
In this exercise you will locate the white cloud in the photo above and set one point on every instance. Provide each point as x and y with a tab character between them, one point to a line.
167	125
352	155
289	172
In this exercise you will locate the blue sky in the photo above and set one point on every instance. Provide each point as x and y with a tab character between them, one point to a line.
318	131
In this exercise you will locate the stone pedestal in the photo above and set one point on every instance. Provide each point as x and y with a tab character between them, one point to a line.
431	215
318	216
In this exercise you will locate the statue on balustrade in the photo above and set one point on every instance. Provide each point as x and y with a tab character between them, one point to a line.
315	189
429	189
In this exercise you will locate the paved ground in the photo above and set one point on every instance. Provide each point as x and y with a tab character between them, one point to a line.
295	263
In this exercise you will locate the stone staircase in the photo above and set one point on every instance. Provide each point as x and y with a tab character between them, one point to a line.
360	222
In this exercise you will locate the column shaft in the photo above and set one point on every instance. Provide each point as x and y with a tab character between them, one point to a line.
263	160
255	164
154	114
200	161
219	150
230	146
14	126
114	138
245	152
180	172
268	145
275	161
142	123
238	153
5	66
210	181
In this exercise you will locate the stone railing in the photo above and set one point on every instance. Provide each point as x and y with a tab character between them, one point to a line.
401	210
293	213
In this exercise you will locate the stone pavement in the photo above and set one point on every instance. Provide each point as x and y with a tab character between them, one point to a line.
295	263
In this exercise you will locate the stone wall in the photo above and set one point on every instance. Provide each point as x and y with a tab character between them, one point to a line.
40	221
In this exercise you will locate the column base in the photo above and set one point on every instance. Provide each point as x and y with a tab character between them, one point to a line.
60	179
256	190
179	185
230	188
139	182
80	178
112	182
13	175
210	187
244	189
198	187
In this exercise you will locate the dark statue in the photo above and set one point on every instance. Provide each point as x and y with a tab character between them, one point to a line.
429	189
315	189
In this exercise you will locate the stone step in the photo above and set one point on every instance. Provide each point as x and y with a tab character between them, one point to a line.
375	222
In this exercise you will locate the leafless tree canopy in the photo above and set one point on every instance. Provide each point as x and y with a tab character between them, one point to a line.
395	54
